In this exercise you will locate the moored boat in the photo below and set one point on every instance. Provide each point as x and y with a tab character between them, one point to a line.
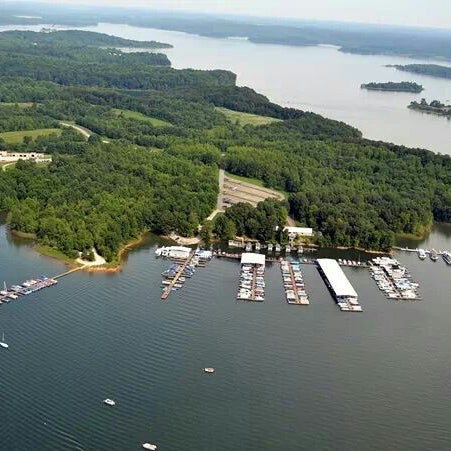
421	254
433	255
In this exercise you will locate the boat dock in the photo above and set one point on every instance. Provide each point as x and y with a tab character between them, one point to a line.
176	278
394	280
293	282
252	282
339	285
7	294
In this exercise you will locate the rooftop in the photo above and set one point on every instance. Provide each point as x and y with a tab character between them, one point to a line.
337	278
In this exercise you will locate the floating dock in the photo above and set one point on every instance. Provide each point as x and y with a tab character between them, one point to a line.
26	288
339	285
293	283
175	279
252	282
394	280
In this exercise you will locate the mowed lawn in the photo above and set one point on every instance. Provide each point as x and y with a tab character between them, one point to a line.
17	136
246	118
142	117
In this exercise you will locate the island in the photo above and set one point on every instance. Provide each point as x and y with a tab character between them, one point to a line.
402	86
134	145
433	70
435	107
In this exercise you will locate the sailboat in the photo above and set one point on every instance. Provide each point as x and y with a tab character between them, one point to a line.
4	292
2	343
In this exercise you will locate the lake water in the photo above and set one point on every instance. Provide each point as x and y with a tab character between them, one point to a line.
287	377
318	79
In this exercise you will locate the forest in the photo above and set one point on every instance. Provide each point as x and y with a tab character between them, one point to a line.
402	86
165	141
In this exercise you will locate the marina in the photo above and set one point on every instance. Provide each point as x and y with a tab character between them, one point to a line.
252	281
293	283
339	285
393	279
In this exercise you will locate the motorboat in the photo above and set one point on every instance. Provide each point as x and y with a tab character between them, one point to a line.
109	402
209	370
149	446
3	344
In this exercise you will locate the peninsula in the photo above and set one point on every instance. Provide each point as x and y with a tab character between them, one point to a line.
403	86
433	70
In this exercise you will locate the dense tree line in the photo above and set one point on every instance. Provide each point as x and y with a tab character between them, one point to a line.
402	86
107	196
434	70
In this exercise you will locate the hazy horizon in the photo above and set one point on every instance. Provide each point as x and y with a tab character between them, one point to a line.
417	13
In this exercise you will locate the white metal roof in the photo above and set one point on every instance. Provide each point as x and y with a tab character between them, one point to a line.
336	277
252	259
299	230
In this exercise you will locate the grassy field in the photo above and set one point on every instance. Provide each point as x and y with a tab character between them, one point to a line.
142	117
17	137
246	118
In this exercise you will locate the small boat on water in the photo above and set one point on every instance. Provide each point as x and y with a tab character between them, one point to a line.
109	402
149	446
447	257
421	254
209	370
433	255
3	344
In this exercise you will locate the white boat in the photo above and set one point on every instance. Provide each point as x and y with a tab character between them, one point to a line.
109	402
149	446
421	254
3	344
209	370
4	292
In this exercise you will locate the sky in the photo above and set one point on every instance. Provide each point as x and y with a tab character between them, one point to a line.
426	13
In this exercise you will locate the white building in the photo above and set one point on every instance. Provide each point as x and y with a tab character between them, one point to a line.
293	232
11	157
336	279
248	258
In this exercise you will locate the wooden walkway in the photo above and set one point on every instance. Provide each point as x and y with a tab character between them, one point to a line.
78	268
169	288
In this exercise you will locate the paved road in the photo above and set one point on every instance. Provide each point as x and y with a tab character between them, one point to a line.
220	196
85	132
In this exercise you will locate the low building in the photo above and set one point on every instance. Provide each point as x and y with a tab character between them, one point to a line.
294	232
248	258
11	157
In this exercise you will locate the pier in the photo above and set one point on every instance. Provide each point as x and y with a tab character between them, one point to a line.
252	283
394	280
293	283
175	280
339	285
